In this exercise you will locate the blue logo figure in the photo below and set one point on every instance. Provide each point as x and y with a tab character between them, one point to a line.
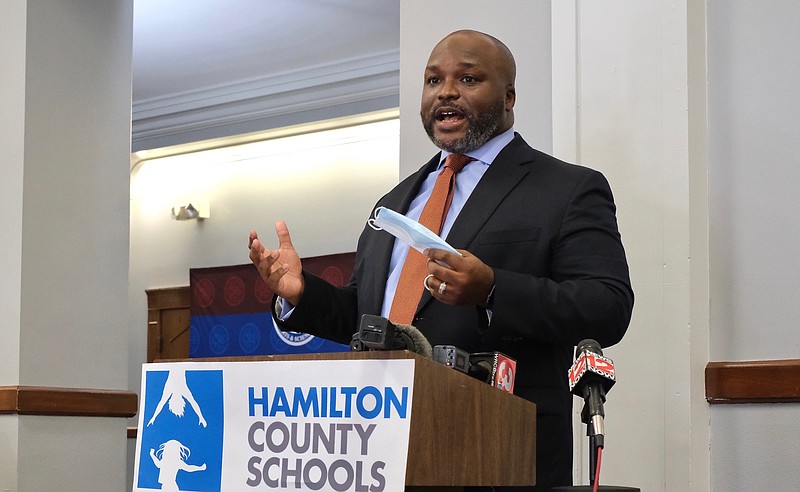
170	459
172	433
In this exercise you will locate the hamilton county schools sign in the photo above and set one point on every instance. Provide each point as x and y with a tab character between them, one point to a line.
274	425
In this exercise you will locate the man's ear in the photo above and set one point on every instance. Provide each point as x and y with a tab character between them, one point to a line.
511	97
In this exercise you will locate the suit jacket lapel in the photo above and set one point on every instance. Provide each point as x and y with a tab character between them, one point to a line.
503	174
508	168
398	200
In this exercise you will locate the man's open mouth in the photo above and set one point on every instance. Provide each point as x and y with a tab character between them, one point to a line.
448	114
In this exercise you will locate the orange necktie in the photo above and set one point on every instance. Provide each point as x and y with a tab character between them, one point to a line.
409	287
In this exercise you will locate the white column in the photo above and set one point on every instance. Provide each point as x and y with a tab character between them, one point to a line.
65	69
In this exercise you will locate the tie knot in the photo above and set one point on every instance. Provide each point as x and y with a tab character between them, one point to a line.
456	162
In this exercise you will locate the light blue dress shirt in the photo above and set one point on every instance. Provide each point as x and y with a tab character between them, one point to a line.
466	181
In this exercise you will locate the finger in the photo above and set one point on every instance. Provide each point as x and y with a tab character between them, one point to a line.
275	273
444	265
441	289
262	258
256	250
255	244
253	237
444	258
284	239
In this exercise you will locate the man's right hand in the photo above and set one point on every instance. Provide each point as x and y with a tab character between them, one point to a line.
280	268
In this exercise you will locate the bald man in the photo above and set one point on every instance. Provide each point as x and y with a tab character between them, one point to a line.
541	264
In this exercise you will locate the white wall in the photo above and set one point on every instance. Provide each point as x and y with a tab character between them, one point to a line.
65	73
754	229
629	72
13	30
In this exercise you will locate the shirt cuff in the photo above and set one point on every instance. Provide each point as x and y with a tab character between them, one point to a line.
282	309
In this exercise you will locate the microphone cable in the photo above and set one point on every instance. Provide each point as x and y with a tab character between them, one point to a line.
597	470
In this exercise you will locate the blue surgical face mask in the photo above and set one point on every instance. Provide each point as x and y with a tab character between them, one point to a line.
409	231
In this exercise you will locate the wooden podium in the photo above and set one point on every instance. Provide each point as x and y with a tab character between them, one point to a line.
463	432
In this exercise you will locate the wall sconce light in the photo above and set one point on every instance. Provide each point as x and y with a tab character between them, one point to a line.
194	210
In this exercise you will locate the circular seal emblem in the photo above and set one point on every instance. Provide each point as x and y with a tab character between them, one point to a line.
249	338
234	291
218	339
293	338
333	275
263	293
204	292
194	340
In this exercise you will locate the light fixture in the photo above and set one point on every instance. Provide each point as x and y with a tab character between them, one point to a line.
194	210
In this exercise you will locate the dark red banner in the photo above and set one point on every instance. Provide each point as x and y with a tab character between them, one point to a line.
239	289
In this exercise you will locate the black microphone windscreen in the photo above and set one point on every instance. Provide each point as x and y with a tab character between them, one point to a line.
482	370
588	345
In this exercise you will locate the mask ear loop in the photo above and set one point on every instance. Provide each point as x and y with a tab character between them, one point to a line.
371	221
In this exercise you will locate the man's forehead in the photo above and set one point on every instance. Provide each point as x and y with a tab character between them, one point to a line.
435	65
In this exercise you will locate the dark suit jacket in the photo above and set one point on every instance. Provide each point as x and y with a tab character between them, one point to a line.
548	230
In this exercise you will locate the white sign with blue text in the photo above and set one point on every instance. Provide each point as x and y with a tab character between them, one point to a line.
327	425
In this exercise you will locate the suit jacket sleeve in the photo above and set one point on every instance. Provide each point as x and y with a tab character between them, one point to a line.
582	290
325	311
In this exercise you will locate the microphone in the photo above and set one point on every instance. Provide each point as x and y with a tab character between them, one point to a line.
590	377
378	333
496	368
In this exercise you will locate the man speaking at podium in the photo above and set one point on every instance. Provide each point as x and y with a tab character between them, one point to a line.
541	263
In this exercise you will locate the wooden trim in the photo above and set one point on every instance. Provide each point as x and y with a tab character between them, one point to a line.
82	402
169	297
759	381
159	302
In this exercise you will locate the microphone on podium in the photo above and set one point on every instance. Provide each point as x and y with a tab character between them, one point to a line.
378	333
590	377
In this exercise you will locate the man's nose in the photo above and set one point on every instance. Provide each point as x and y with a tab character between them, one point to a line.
448	90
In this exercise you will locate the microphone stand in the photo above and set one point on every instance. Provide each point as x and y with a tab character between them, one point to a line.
594	445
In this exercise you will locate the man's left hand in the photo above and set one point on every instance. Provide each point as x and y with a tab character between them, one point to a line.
467	280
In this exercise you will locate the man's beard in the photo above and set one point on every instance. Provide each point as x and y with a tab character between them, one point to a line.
480	130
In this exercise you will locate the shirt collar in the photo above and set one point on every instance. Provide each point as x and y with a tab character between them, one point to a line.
487	152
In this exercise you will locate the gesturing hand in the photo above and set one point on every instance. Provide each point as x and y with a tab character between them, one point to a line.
280	268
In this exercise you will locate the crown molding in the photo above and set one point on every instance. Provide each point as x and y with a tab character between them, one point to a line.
340	82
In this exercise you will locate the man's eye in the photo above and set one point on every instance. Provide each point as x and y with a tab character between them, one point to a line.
433	80
469	79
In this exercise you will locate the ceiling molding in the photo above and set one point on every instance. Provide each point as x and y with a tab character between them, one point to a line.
343	81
